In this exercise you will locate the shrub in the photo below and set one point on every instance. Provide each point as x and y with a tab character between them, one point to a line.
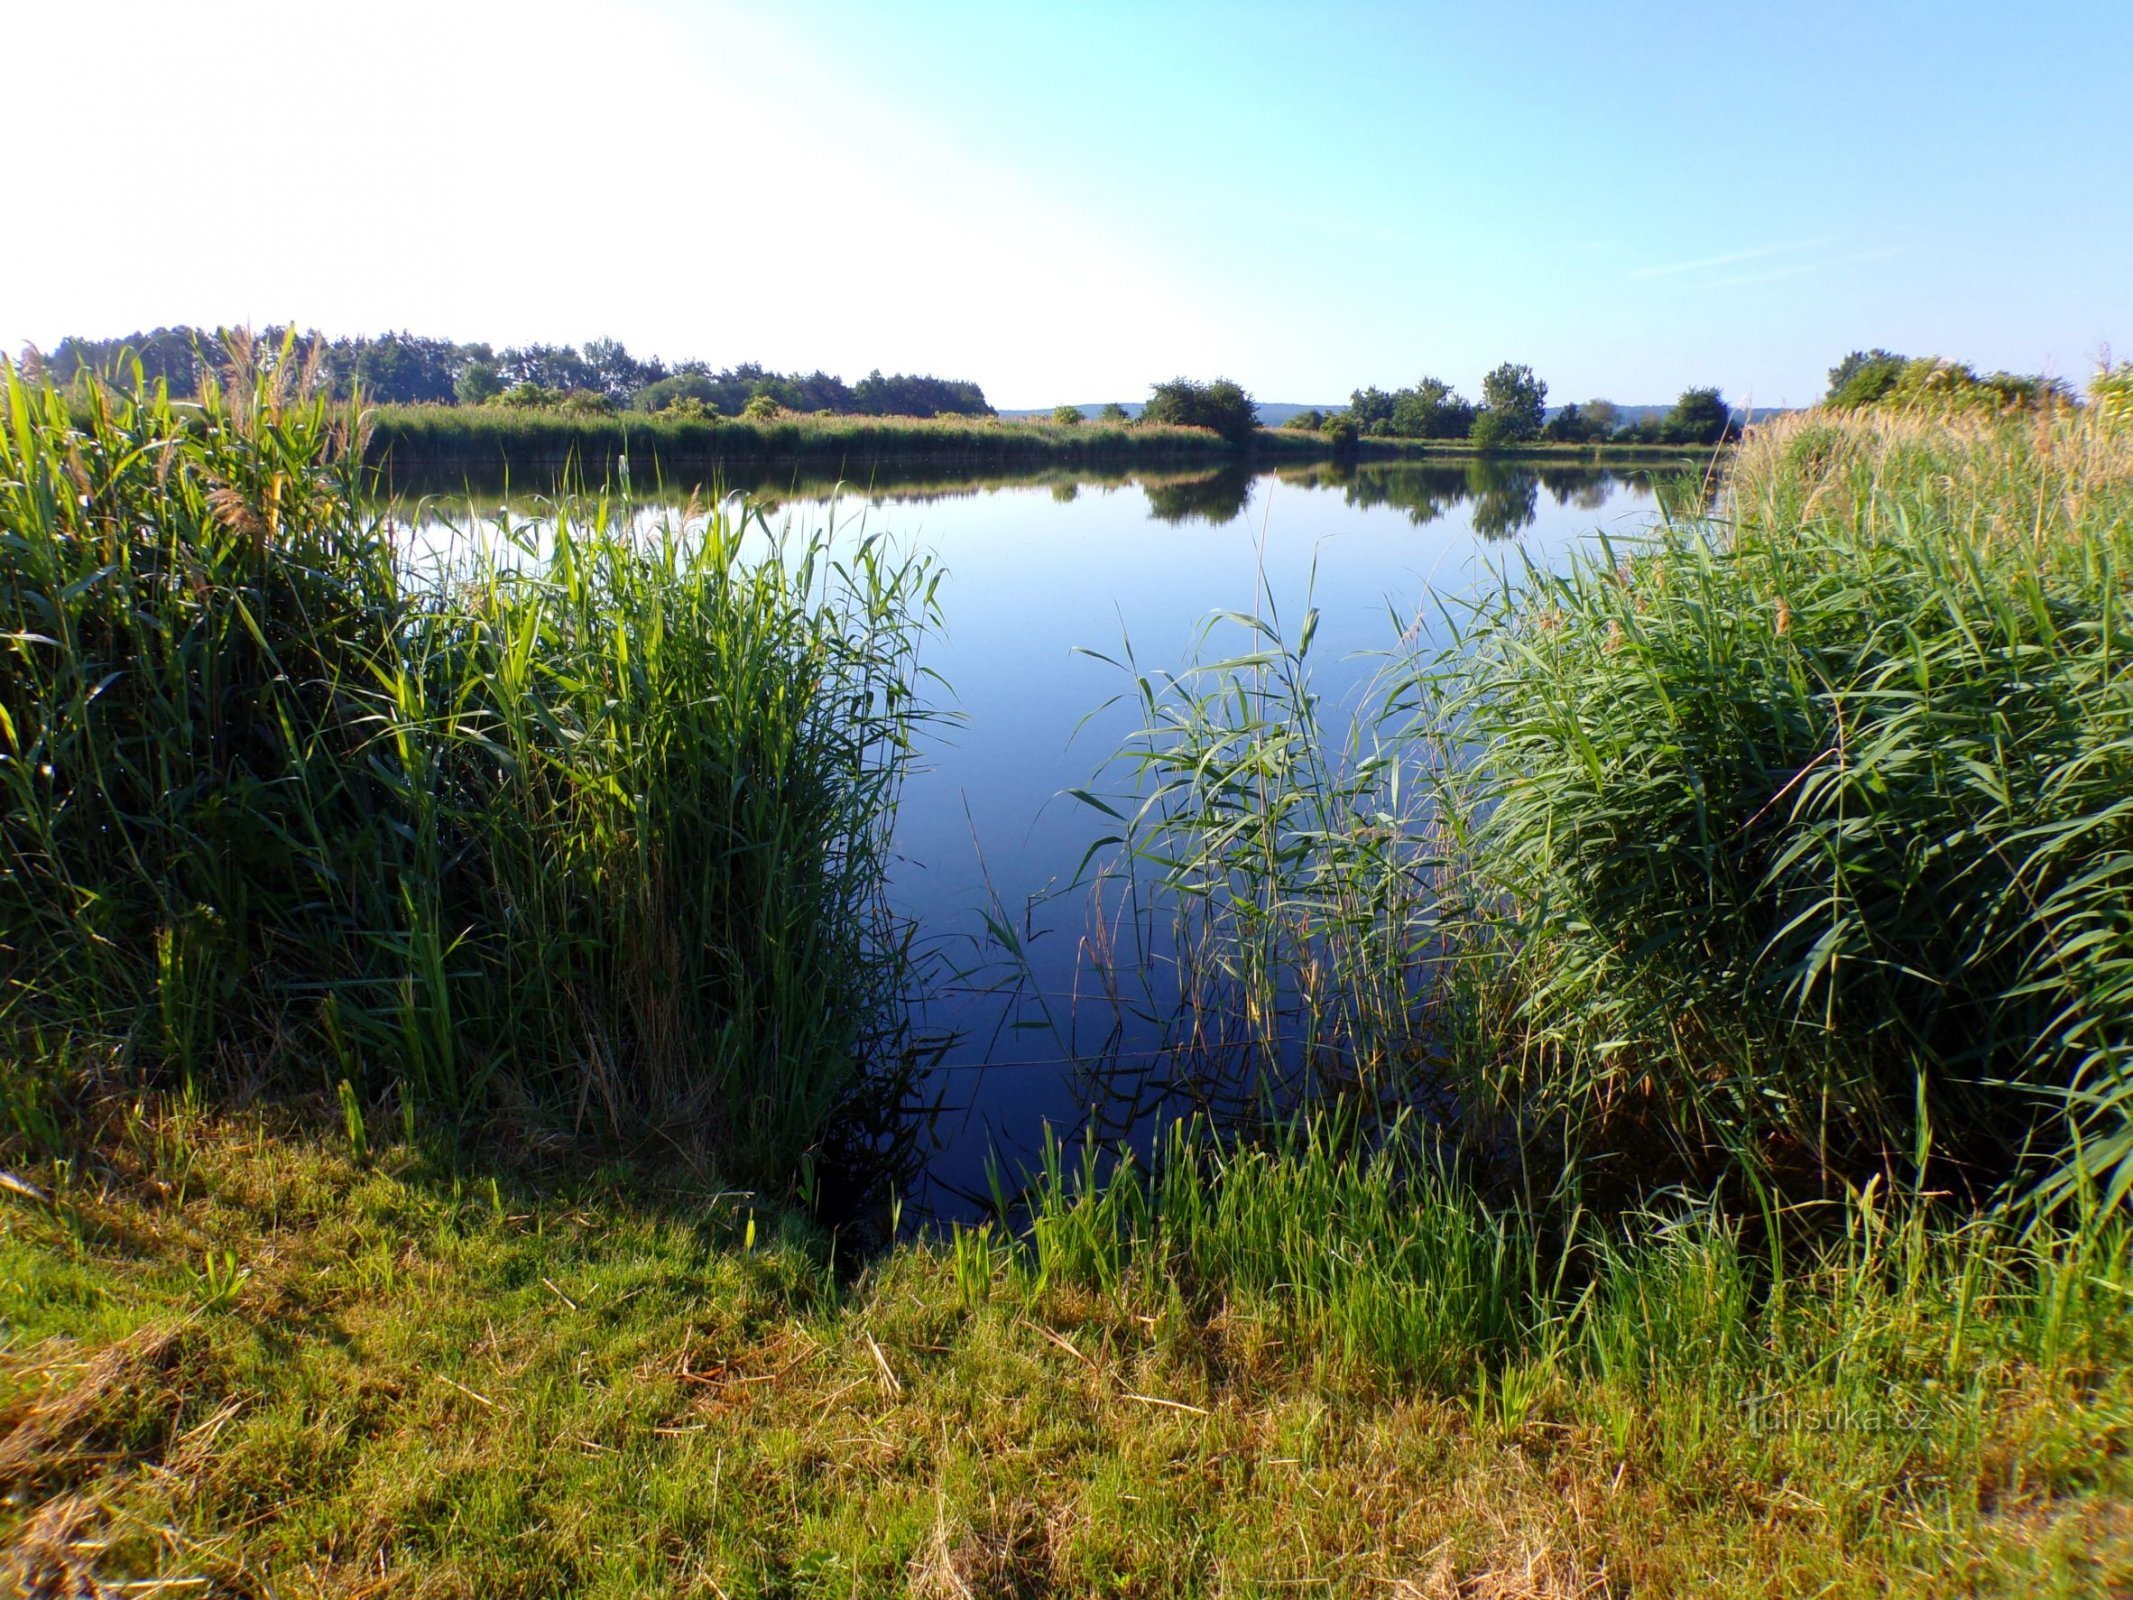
1492	431
587	403
1219	405
1863	377
1067	416
2111	392
1935	386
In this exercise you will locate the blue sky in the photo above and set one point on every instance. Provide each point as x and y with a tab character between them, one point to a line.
1071	202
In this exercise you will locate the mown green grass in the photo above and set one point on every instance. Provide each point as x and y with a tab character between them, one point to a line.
596	1383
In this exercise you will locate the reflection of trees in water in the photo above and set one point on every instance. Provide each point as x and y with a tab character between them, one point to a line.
1506	498
1219	497
1424	493
1579	488
1504	495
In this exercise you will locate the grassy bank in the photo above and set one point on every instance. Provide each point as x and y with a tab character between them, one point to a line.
436	446
239	1359
1675	1047
431	445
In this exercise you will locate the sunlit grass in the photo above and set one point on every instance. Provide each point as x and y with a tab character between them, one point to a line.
466	1380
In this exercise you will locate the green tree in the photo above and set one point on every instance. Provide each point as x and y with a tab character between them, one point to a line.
908	395
1307	421
1603	417
1568	426
1863	377
1114	413
531	397
1220	405
1700	416
1490	431
1432	409
1371	409
477	384
1067	415
618	374
1517	399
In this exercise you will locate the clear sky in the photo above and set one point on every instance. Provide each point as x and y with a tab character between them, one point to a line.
1069	202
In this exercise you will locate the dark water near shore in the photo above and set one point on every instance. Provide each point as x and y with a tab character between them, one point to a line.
1039	571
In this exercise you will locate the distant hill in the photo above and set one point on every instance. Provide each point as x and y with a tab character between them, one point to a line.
1741	414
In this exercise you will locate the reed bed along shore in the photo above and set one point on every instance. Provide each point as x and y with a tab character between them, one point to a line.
426	444
1813	815
1779	845
435	446
1670	1052
585	834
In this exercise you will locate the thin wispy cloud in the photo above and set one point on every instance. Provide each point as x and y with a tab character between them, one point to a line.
1729	259
1775	275
1743	279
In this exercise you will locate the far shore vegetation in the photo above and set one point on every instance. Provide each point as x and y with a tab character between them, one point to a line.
1668	1053
445	408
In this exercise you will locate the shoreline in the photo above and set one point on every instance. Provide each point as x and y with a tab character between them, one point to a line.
410	445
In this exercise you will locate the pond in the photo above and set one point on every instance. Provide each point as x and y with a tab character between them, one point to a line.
1044	576
1038	576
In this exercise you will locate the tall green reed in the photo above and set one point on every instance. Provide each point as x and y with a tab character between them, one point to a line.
589	828
1278	864
1805	833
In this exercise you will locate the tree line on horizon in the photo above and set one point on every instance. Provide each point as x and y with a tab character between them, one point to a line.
601	377
1513	409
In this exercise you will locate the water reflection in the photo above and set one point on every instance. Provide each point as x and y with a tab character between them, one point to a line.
1500	499
1214	498
1504	496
